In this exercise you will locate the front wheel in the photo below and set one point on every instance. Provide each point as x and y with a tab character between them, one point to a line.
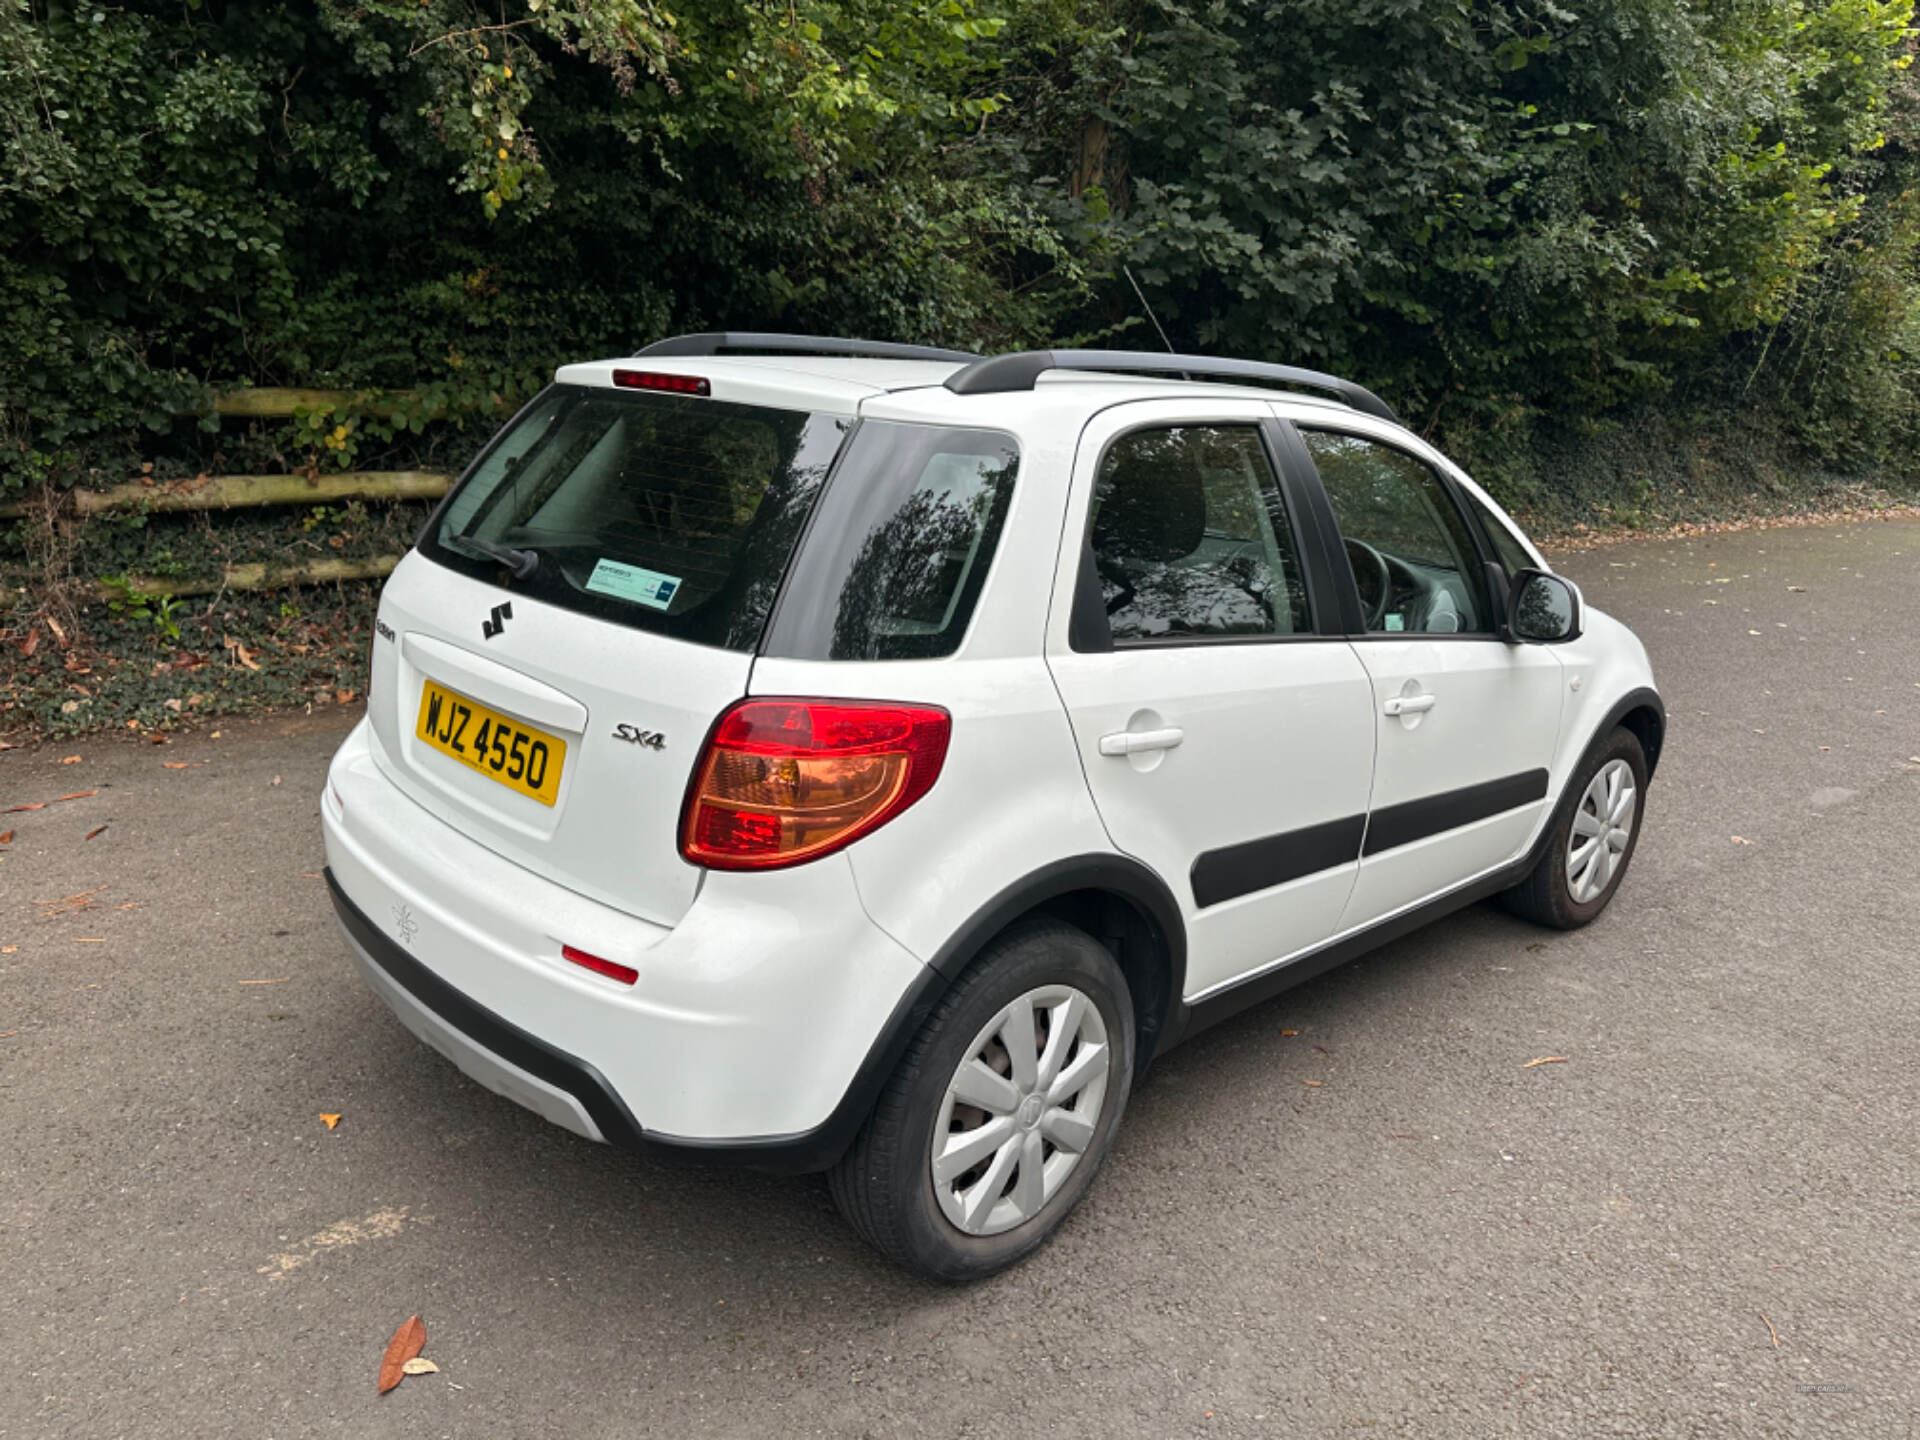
1001	1111
1594	834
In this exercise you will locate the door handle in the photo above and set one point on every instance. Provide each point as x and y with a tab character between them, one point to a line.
1133	742
1409	705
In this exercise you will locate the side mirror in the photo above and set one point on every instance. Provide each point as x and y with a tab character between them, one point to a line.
1543	609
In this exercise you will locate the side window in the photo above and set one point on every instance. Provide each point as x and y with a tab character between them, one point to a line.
1413	557
900	547
1512	557
1190	537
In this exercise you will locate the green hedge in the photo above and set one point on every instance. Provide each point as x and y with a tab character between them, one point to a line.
1520	221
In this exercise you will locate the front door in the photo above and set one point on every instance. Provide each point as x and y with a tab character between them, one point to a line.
1227	745
1467	723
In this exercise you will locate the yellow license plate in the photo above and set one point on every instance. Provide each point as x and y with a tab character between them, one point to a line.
520	757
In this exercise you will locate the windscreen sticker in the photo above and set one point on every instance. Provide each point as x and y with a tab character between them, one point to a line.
630	582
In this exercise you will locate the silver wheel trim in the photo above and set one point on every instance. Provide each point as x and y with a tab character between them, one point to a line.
1021	1110
1602	828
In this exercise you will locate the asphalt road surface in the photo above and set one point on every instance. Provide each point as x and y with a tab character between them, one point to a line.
1383	1224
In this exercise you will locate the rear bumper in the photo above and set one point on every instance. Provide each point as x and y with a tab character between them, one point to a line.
761	1028
496	1052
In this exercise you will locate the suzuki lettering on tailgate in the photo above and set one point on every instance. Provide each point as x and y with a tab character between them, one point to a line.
520	757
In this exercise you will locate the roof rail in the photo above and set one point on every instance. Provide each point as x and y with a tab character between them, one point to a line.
714	341
1020	370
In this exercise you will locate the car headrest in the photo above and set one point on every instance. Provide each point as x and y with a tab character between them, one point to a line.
1152	504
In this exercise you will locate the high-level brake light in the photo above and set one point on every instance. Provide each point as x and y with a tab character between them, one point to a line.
660	380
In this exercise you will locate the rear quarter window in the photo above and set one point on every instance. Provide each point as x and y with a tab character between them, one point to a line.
896	557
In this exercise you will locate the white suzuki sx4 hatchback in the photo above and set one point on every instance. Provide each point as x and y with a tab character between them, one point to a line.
866	758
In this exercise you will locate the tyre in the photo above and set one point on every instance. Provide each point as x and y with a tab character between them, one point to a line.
996	1121
1595	831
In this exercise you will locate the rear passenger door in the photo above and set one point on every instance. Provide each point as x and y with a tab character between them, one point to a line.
1227	742
1467	723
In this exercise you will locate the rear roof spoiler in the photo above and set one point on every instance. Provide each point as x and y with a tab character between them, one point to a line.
713	342
1019	371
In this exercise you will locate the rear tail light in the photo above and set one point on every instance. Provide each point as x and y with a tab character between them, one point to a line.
660	380
785	781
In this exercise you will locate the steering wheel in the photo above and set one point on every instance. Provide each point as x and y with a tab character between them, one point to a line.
1356	549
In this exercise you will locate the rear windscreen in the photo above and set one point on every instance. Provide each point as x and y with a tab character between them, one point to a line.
664	512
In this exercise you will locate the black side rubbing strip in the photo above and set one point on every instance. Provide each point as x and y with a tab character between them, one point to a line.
1261	864
1431	814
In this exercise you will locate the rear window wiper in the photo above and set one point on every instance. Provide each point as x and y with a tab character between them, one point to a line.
522	562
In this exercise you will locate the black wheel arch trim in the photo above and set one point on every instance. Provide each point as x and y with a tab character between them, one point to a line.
1643	698
1115	873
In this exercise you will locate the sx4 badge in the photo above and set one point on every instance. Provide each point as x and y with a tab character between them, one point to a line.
634	735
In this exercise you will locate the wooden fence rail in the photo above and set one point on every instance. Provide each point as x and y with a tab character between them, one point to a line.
323	570
239	492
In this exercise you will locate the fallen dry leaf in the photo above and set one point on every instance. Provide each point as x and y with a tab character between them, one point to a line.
8	949
330	1120
97	830
173	764
6	838
1545	1060
71	760
277	980
8	1035
419	1365
1773	1333
408	1341
241	653
1314	1083
89	939
1741	840
1289	1032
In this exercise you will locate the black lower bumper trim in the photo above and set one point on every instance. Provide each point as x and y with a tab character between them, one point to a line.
808	1150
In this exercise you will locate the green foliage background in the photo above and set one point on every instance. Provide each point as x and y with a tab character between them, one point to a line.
1571	241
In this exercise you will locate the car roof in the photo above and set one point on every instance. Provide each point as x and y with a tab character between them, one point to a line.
842	384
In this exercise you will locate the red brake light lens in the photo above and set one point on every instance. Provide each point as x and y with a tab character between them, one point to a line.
659	380
625	974
786	781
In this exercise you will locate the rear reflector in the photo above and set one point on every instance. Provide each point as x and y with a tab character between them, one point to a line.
625	974
658	380
785	781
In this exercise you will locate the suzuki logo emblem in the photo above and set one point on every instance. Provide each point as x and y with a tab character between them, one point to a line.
497	622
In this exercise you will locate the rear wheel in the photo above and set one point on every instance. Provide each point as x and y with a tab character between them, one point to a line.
1594	834
1001	1111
